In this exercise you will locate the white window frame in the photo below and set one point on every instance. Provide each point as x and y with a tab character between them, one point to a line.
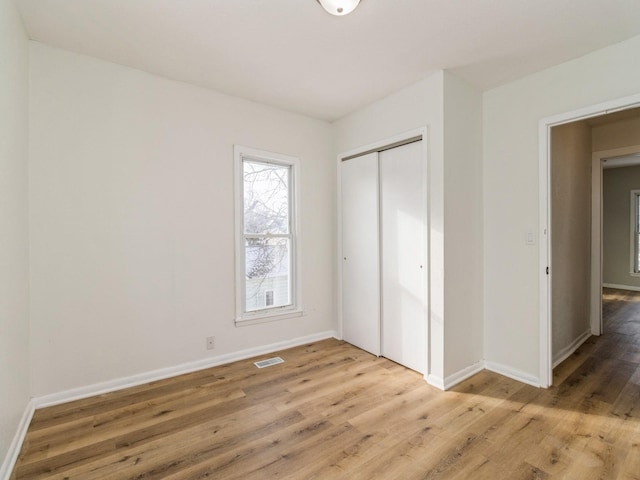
634	269
271	313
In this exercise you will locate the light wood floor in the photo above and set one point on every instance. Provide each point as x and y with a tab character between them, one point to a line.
333	411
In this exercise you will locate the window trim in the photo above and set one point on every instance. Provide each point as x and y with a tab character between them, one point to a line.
243	317
635	211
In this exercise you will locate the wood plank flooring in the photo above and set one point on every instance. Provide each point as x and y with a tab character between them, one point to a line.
334	411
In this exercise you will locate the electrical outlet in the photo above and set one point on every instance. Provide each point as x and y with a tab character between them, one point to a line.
211	343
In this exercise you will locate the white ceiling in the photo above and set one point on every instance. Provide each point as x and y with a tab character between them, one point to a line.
293	55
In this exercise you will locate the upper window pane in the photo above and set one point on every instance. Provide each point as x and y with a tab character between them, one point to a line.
266	198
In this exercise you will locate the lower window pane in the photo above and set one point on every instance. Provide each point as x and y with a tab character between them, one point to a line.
267	273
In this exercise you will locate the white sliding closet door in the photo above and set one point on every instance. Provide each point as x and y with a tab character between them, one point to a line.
360	253
403	250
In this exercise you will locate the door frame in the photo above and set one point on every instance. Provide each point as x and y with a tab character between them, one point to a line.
384	144
597	222
545	260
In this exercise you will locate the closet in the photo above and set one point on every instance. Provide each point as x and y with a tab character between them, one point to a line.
384	254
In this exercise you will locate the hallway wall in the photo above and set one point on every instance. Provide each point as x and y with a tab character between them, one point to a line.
570	235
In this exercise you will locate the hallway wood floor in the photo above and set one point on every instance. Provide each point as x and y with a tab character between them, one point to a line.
334	411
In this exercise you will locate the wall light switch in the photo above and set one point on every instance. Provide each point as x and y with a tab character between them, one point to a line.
530	238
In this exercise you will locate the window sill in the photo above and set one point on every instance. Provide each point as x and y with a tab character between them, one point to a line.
634	274
267	317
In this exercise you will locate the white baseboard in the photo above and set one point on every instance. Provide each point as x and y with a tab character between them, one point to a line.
435	381
621	287
452	380
16	444
152	376
513	373
461	375
567	351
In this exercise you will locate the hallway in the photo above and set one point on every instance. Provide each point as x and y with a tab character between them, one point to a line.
606	369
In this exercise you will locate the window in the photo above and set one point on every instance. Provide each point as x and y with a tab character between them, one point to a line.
635	232
266	259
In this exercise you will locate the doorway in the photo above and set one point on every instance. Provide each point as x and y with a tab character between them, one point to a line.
616	173
592	117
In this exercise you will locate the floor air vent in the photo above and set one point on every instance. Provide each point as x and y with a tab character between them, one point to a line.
268	362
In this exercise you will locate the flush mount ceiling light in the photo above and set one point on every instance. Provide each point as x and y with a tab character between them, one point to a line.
339	7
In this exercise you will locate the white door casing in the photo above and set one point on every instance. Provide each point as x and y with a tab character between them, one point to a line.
545	273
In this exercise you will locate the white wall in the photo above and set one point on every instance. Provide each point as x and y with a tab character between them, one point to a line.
14	326
416	106
570	235
131	220
452	112
463	225
511	185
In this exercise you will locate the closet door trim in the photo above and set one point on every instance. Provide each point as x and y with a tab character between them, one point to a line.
399	143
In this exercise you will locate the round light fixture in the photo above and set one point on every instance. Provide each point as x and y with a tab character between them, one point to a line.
339	7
